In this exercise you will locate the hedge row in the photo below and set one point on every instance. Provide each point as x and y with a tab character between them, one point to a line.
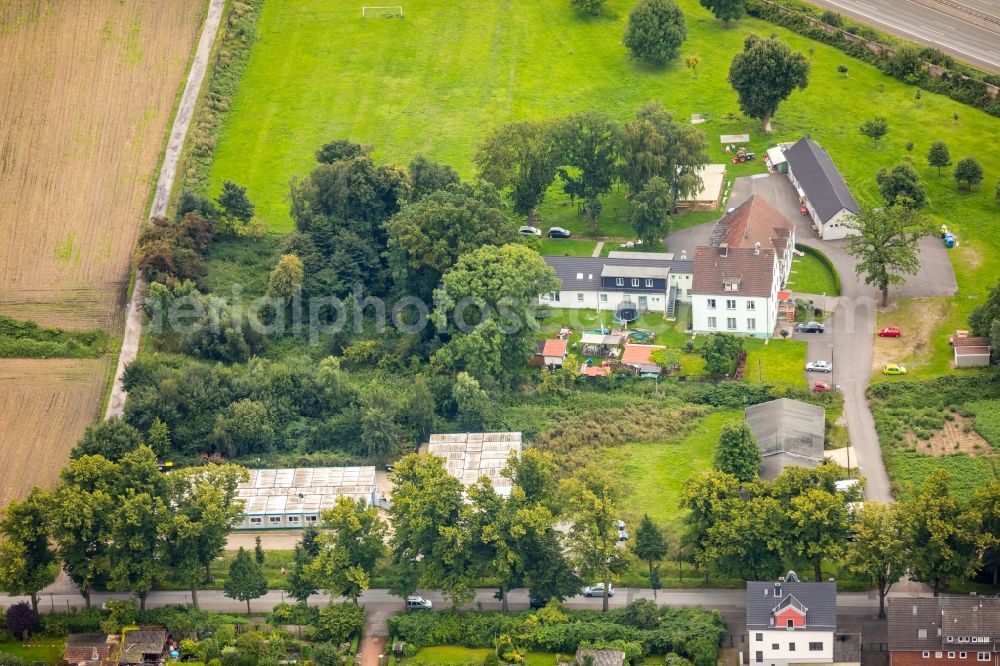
971	90
693	633
26	339
825	260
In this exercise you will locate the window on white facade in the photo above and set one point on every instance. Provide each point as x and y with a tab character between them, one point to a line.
579	297
791	647
760	637
751	305
982	656
751	324
604	298
711	322
275	519
816	647
759	657
649	283
311	519
620	282
731	323
293	519
255	521
775	646
635	282
730	303
711	304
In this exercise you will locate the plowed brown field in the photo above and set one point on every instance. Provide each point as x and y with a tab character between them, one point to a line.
45	405
87	89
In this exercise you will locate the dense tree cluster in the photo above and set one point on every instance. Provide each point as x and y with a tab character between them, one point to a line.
120	525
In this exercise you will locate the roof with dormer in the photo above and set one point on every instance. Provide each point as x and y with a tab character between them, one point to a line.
817	600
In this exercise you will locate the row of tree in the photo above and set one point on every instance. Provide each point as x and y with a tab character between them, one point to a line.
119	525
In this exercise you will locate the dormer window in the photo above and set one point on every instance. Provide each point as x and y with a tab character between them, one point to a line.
635	282
620	282
649	282
732	285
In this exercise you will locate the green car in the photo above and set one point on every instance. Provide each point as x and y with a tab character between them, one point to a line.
893	369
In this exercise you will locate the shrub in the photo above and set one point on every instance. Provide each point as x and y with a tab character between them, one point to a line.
339	622
22	619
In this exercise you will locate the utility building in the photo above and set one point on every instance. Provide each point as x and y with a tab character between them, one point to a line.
295	497
470	456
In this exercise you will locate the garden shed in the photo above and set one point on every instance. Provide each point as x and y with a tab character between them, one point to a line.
788	432
971	352
713	177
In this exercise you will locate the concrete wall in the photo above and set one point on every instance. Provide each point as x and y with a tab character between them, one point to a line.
762	310
784	639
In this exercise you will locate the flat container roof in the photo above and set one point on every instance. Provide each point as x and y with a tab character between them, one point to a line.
306	490
471	455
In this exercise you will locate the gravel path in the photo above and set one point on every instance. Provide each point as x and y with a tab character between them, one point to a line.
165	183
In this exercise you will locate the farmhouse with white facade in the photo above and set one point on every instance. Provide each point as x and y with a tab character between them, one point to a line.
821	188
735	290
791	622
756	223
650	282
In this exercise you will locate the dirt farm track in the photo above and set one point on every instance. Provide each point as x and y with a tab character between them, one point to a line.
87	90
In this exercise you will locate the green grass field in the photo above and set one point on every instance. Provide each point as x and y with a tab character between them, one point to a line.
436	81
576	247
654	475
811	276
779	362
37	649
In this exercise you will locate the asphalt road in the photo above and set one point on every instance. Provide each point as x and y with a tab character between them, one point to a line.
940	26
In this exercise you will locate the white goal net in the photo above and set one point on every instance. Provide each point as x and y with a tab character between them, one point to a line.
393	11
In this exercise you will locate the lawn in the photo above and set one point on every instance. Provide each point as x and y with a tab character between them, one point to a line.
654	475
576	247
811	276
38	649
670	333
779	362
451	654
436	81
274	561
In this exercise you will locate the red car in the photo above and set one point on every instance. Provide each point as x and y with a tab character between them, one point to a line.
889	332
821	387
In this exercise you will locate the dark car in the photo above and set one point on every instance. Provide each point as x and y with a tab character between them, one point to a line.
810	327
536	602
559	232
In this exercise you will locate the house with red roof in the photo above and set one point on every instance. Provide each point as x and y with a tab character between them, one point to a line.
554	352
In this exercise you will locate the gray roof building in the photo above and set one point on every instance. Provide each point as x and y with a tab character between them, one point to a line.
944	623
817	601
584	273
819	179
585	657
788	432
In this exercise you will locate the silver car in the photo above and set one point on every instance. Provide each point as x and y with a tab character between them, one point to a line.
598	590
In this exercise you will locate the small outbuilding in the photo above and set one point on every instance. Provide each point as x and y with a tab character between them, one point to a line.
554	353
638	357
971	352
91	649
788	432
822	190
713	178
144	647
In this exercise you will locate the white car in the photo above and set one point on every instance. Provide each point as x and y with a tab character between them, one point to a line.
415	603
819	366
530	231
598	590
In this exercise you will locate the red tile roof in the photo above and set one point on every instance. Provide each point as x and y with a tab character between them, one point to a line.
713	266
756	221
554	347
596	371
639	354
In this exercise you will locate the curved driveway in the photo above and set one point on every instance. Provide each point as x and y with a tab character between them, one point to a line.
853	321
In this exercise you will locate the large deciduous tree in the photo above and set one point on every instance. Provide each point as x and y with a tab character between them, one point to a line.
591	502
764	74
428	176
885	245
969	171
941	538
818	527
877	552
287	276
586	145
427	237
112	438
203	510
726	10
649	544
655	145
427	503
902	185
27	556
738	453
486	307
650	211
655	31
349	548
939	156
704	498
520	160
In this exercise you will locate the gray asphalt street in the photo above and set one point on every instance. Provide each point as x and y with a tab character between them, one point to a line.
932	23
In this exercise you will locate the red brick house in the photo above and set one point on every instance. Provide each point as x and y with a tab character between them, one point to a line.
944	631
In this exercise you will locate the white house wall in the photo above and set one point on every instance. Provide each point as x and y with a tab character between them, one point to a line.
837	227
762	310
783	655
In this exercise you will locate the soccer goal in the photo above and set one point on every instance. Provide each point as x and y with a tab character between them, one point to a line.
394	11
